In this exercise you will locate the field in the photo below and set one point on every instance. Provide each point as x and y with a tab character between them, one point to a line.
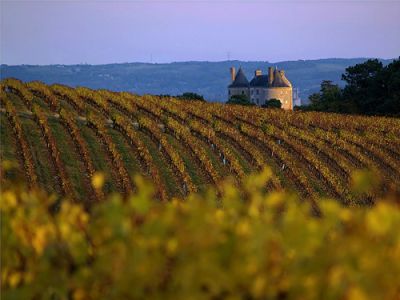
137	197
61	136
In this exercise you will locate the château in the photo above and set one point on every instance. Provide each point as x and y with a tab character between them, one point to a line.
262	88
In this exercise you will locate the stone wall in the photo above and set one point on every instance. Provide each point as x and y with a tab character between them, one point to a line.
238	91
261	96
284	94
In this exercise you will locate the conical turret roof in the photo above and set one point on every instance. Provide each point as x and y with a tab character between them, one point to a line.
240	80
280	80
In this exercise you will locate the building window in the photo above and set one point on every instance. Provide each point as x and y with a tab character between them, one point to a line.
242	92
257	92
229	92
257	102
252	92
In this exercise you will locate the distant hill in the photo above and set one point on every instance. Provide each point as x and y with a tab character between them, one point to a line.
206	78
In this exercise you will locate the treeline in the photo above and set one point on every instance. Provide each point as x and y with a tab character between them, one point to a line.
184	96
371	89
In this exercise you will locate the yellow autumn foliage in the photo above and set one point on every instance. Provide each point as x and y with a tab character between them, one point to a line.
246	243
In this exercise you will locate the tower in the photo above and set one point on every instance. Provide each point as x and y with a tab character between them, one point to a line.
239	84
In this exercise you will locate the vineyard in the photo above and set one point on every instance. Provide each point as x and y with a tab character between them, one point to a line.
61	136
109	195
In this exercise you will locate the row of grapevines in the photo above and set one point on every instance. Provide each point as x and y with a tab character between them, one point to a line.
95	99
311	158
41	120
245	145
182	132
127	104
366	153
225	153
314	161
390	144
323	148
144	103
97	124
330	121
375	151
171	109
353	123
148	104
67	121
305	136
206	132
151	127
18	87
22	144
380	143
123	104
70	96
125	127
43	91
350	150
195	109
205	114
383	138
226	126
283	157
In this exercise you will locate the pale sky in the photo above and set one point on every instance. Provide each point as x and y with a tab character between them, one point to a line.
97	32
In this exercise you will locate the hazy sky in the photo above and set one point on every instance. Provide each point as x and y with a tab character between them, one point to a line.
68	32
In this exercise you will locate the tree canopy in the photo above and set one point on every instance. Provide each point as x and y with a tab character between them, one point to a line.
239	99
273	103
371	88
191	96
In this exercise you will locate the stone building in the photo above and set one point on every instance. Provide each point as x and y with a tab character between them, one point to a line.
262	88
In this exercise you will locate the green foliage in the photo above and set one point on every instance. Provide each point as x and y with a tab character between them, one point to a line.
273	103
240	100
185	96
245	244
371	89
328	99
191	96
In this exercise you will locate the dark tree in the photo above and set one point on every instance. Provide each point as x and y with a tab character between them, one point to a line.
328	99
239	99
364	85
273	103
390	80
191	96
371	89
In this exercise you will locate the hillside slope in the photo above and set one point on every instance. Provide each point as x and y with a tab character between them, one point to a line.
61	136
206	78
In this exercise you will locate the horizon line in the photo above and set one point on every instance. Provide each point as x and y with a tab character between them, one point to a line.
191	61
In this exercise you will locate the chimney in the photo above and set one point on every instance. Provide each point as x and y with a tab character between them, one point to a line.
233	74
257	73
270	75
